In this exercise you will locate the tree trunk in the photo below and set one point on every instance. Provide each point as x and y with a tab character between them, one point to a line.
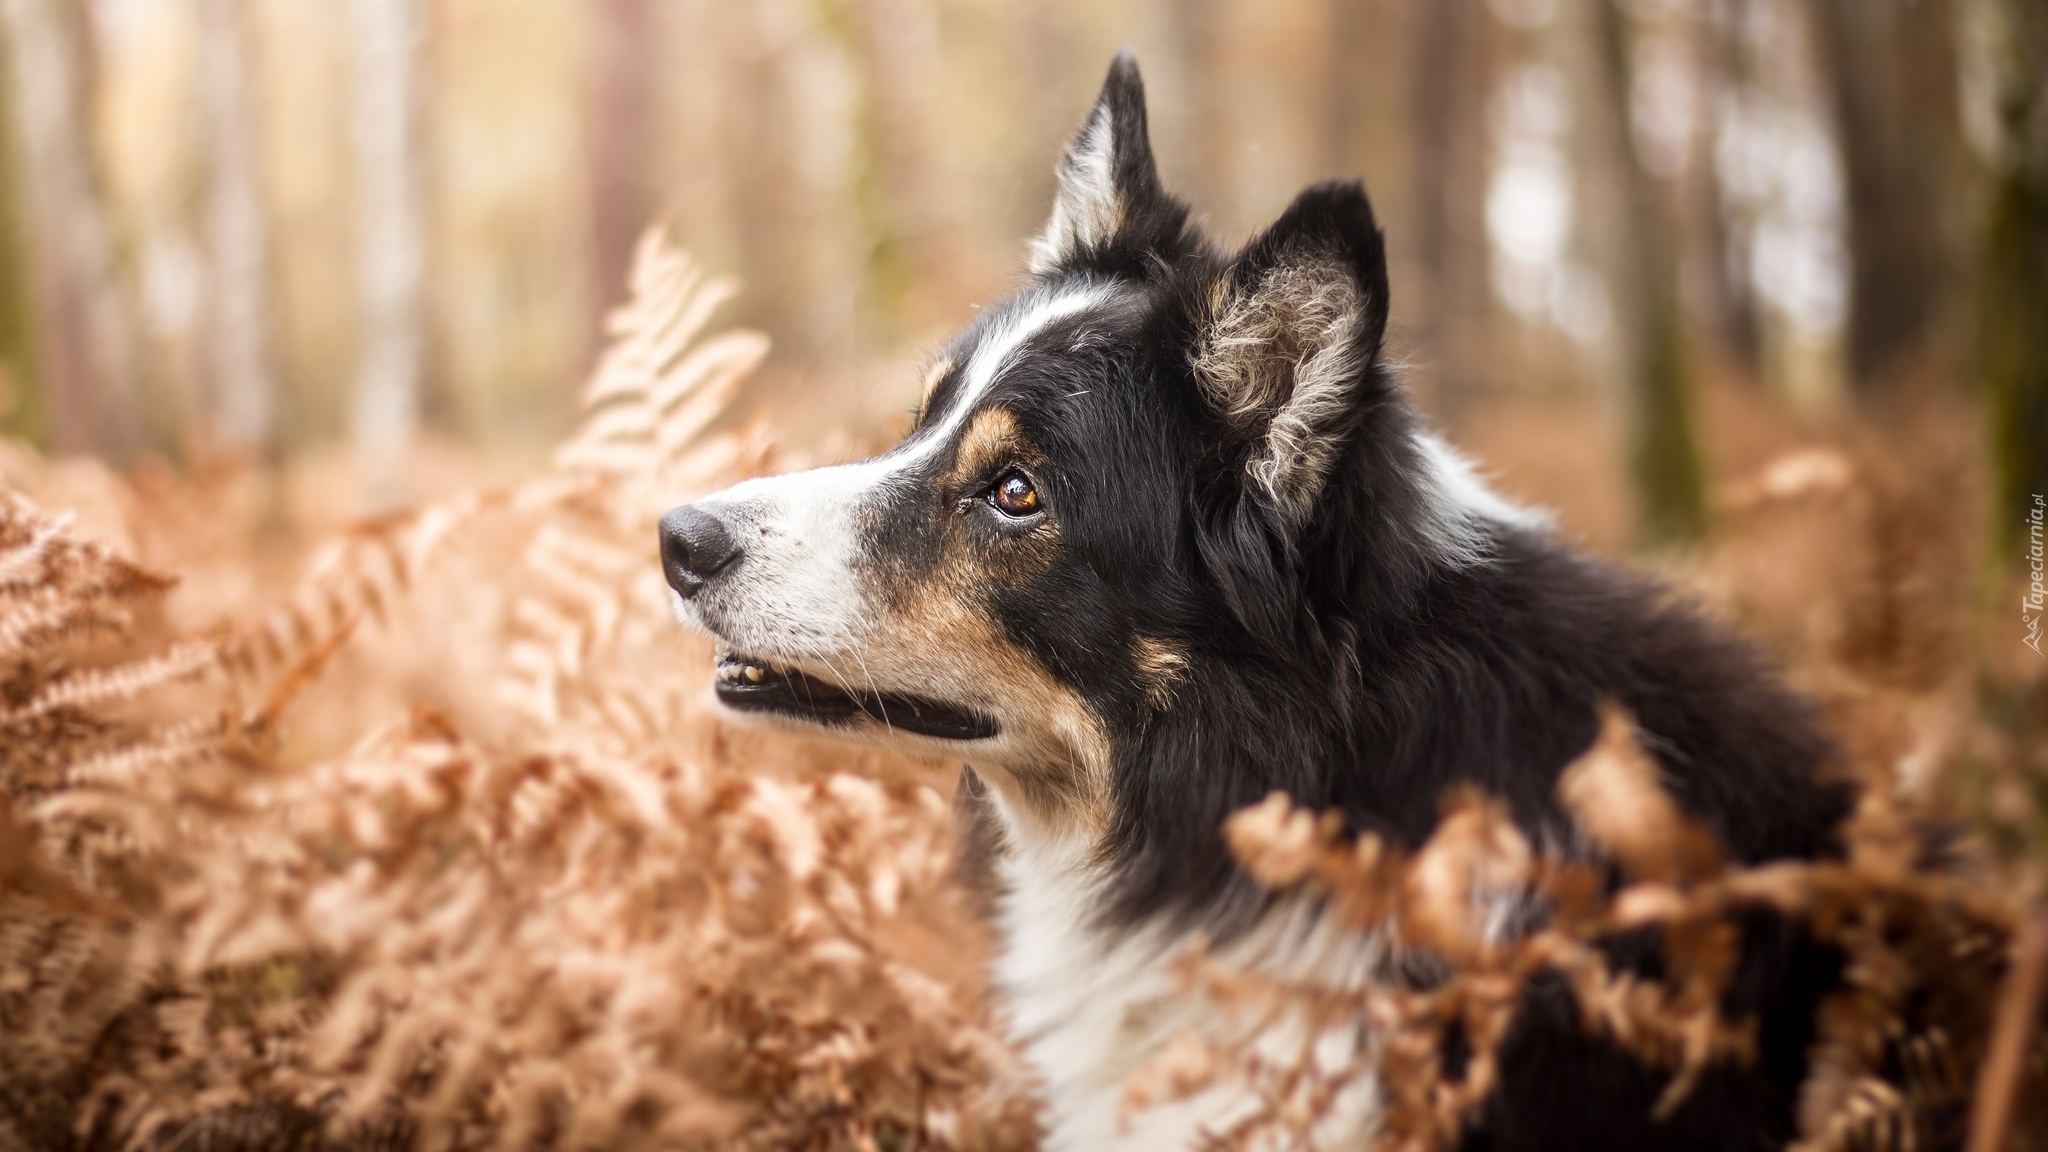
1448	83
1351	24
2012	305
1439	33
1729	308
242	394
622	42
1889	116
895	189
1193	27
1663	451
85	338
21	401
390	231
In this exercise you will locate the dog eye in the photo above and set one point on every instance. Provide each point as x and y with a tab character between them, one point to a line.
1013	495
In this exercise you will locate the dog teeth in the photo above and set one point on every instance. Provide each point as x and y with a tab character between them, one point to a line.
734	671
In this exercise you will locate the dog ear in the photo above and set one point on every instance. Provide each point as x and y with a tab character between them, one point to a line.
1288	339
1109	190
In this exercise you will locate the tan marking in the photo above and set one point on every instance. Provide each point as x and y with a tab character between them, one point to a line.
1162	665
1051	759
937	636
992	440
1056	766
932	376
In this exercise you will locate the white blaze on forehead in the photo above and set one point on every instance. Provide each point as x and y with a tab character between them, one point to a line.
994	352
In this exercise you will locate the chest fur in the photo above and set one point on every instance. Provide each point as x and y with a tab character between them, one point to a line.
1091	1006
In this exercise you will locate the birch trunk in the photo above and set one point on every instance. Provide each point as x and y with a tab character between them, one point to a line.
242	394
85	338
390	233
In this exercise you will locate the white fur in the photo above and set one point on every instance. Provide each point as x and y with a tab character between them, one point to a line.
1462	505
1298	449
1085	211
1092	1007
795	596
992	354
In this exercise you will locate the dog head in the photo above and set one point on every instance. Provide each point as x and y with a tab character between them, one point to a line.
1127	476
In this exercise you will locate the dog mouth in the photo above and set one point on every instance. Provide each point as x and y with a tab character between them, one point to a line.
747	684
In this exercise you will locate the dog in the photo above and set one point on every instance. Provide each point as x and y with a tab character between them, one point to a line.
1168	536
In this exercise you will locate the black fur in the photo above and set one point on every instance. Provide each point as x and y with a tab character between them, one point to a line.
1344	661
1340	637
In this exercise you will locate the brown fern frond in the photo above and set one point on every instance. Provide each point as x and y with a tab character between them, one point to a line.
100	687
50	615
659	386
1892	1044
1871	1116
165	748
369	570
25	543
36	551
564	936
658	389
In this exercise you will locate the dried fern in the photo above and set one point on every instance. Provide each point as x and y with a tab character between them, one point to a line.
68	612
1891	1068
563	560
659	386
564	937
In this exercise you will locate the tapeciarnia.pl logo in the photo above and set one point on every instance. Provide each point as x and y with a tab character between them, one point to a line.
2037	597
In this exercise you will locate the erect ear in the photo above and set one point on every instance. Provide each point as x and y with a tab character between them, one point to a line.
1288	338
1109	191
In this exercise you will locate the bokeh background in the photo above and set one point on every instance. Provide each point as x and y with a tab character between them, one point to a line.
301	303
273	228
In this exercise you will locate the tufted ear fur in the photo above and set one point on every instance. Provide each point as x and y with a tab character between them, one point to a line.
1109	197
1288	341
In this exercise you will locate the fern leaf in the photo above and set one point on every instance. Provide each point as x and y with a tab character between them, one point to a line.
23	563
100	687
658	388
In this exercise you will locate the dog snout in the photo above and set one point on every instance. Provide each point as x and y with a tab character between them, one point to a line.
695	546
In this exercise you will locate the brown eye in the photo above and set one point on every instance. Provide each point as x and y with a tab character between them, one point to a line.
1014	496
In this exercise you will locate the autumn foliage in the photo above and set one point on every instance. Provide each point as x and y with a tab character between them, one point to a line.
443	849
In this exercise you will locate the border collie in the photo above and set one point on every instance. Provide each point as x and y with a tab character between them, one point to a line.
1168	536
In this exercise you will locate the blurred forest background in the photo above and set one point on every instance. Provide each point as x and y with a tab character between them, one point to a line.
272	230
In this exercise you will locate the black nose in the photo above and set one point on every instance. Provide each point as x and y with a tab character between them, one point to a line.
694	546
